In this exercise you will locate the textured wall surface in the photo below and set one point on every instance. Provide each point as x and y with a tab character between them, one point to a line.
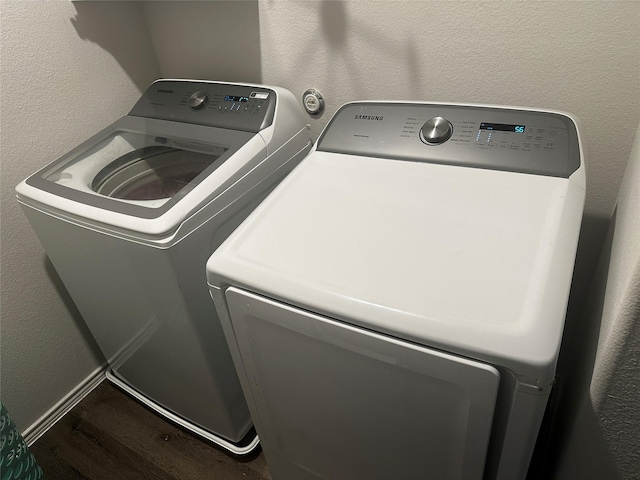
208	40
68	70
615	387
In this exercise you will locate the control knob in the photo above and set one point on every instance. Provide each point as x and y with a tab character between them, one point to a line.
436	131
198	100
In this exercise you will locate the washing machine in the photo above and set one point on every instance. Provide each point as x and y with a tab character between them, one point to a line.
129	219
394	308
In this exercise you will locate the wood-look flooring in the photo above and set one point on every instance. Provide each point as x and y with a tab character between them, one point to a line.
108	435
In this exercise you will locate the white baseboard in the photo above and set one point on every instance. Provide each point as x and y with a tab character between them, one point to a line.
55	413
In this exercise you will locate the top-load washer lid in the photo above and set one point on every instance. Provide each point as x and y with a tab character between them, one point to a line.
458	255
184	145
139	169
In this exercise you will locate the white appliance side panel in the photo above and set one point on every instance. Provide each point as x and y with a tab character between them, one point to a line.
150	312
338	402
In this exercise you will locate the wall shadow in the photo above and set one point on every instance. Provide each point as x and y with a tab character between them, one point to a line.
342	33
119	28
589	455
207	40
578	351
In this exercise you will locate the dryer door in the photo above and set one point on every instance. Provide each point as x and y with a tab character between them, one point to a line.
331	401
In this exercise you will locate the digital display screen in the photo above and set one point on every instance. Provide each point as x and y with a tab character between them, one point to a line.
231	98
501	127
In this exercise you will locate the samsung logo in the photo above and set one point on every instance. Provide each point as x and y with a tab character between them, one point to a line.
369	117
160	90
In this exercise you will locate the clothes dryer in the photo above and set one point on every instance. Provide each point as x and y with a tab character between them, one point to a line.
395	307
129	219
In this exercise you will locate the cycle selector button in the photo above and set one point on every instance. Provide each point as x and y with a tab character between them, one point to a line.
198	100
436	130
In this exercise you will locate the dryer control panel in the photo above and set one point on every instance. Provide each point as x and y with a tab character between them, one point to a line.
525	141
225	105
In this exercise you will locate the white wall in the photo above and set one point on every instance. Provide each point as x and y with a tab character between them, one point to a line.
206	40
68	70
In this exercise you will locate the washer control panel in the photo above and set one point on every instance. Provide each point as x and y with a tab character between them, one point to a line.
525	141
237	107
